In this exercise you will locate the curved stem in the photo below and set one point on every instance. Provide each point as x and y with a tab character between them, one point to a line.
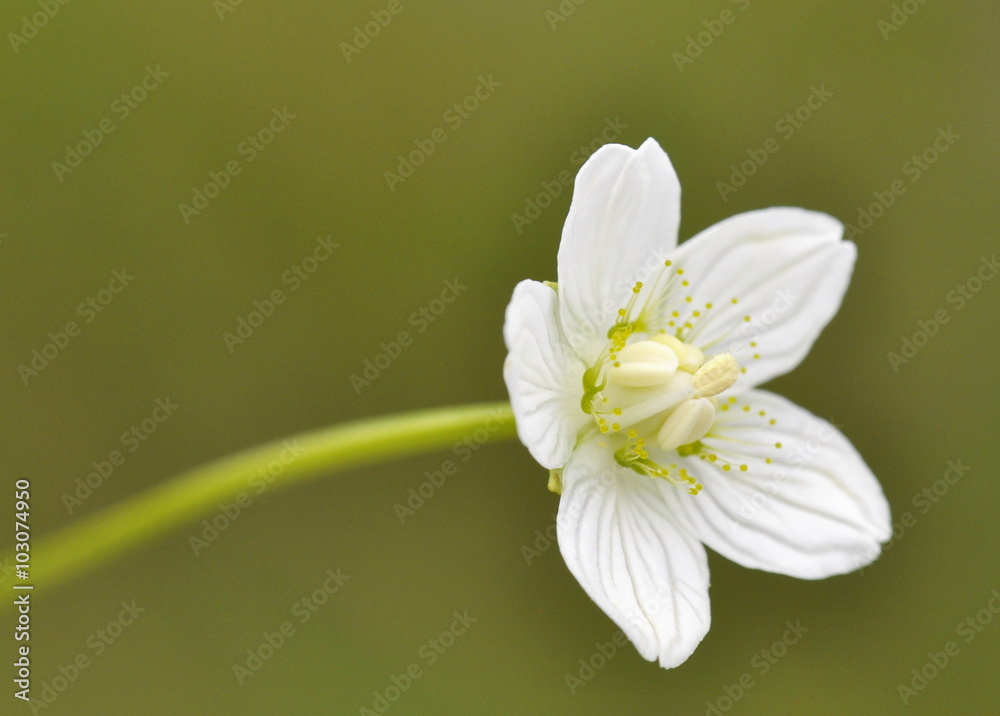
127	525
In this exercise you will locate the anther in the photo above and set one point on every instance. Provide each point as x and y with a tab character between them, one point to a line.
689	422
716	375
644	364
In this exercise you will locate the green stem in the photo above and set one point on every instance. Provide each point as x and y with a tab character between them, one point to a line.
127	525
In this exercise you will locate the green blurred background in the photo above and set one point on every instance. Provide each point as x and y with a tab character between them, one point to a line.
563	78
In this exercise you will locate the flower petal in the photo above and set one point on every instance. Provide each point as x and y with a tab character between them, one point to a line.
816	510
788	269
622	225
620	541
544	378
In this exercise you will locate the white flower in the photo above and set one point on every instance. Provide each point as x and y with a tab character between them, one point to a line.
633	380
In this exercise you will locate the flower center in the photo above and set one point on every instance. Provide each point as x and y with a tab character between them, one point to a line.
649	386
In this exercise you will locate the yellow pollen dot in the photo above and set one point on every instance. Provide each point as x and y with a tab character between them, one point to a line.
675	314
680	272
743	370
743	468
746	318
616	427
617	364
685	282
732	399
604	428
746	408
753	344
621	311
632	433
772	421
713	458
724	407
617	411
726	468
762	413
687	299
768	460
696	314
777	445
668	262
756	356
736	300
708	305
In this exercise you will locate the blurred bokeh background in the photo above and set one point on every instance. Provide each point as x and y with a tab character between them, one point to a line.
205	86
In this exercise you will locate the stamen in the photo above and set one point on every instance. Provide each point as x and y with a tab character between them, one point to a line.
689	422
644	364
716	376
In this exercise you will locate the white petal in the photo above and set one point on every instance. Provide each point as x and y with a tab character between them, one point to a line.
621	227
544	377
620	541
788	269
815	511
